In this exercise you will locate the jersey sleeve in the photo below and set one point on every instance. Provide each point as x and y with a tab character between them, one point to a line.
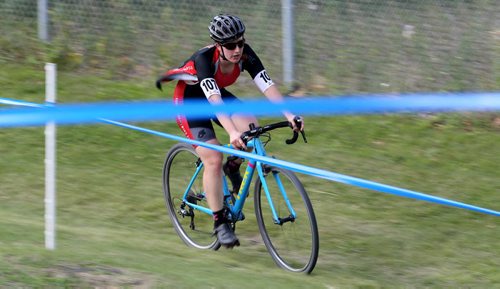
256	69
205	73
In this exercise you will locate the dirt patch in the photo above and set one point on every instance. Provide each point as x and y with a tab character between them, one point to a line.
102	277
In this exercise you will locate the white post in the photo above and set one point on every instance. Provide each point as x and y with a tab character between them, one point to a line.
43	20
50	160
288	47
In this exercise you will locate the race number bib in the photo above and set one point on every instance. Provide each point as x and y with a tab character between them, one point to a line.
263	81
209	87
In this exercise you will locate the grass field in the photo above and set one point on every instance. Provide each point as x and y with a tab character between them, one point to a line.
113	230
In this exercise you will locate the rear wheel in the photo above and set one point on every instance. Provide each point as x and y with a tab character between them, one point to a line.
292	240
193	226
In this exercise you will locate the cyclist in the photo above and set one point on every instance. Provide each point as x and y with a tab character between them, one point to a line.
204	76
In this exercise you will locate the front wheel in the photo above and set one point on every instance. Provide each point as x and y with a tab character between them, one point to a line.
291	238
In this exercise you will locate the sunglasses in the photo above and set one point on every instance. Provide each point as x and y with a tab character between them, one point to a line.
232	45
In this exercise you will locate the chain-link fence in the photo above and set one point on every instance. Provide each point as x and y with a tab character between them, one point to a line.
340	46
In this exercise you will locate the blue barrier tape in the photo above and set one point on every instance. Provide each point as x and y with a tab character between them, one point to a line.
162	110
9	101
317	172
314	171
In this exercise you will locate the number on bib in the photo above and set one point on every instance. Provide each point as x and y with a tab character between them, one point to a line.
209	87
263	81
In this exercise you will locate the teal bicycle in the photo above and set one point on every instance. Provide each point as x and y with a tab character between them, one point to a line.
284	213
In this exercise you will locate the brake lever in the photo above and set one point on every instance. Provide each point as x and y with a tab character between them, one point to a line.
303	133
299	124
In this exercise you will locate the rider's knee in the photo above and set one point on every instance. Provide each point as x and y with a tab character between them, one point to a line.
213	160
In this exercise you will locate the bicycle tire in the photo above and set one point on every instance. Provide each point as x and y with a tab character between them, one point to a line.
293	245
194	227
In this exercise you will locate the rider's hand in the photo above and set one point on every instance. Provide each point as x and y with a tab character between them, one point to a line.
291	119
235	140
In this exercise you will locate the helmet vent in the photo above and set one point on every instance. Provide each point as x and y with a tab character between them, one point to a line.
225	28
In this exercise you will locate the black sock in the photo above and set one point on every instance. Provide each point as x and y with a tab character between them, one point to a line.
219	218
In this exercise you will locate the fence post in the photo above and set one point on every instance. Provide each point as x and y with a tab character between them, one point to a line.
50	160
43	20
288	47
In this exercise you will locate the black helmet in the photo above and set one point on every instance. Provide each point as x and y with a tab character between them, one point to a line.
224	28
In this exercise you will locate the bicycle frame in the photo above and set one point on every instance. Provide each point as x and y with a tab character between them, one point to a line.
236	208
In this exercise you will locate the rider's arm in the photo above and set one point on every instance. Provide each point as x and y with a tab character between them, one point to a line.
224	119
227	123
274	95
262	80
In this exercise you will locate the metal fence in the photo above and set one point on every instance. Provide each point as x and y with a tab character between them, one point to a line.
339	46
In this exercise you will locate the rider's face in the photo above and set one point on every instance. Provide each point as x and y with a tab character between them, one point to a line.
233	50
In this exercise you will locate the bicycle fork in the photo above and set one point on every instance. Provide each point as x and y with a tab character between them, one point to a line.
264	171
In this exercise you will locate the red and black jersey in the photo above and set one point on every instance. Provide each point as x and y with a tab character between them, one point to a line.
202	69
200	77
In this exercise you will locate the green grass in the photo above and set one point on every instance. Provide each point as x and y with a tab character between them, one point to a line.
113	230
